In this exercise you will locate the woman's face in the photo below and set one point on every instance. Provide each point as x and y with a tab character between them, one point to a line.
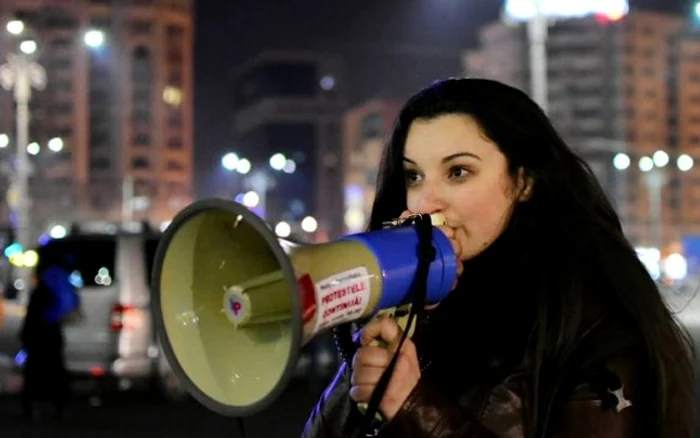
452	168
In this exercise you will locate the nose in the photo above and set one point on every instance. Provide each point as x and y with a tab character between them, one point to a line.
430	200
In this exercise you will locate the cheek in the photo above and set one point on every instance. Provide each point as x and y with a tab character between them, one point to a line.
412	201
483	215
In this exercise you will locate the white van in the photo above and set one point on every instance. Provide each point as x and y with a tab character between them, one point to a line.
115	341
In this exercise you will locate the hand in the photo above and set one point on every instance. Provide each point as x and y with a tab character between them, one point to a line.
370	361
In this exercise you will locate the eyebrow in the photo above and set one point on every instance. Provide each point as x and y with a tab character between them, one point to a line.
450	157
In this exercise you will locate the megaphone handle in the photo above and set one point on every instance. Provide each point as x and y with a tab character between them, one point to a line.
401	315
419	288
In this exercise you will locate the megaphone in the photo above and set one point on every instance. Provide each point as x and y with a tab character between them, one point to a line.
234	304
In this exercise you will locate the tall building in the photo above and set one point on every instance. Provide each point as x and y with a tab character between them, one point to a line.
367	129
616	86
123	109
291	103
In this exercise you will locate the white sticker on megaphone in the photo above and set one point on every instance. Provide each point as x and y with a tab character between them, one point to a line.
342	297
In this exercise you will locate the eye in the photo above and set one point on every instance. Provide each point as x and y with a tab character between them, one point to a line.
412	177
458	172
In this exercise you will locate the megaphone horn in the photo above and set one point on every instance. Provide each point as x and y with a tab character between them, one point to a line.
233	303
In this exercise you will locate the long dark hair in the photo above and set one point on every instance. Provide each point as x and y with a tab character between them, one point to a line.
567	240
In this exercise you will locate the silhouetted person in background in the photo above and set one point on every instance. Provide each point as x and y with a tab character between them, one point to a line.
53	300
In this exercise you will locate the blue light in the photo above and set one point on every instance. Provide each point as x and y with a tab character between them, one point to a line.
44	239
354	193
13	250
20	358
76	279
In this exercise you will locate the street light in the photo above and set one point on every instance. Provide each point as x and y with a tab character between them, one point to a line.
33	148
94	38
28	47
229	161
283	229
20	74
15	27
309	224
654	170
56	144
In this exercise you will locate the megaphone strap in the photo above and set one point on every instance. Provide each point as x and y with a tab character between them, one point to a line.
426	255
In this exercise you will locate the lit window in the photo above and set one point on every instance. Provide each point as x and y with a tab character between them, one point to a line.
172	96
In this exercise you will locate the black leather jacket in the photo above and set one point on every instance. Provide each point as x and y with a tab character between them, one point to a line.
596	405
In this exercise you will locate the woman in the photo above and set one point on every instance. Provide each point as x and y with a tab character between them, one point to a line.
555	328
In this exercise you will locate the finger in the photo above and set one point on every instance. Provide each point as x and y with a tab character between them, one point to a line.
366	376
371	357
361	393
385	329
405	214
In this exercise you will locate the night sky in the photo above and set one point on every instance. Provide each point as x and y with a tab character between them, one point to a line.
392	48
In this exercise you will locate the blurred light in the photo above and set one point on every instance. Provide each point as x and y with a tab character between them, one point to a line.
309	224
251	199
28	47
239	198
19	284
229	161
355	219
4	140
650	258
646	164
94	38
33	148
15	27
675	266
660	158
283	229
103	278
290	166
327	82
685	162
97	371
164	225
697	10
243	166
527	9
58	232
30	259
621	161
172	95
17	260
21	358
76	279
56	144
44	239
297	207
278	161
13	250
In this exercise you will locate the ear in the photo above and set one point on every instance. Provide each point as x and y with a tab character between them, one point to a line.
525	186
